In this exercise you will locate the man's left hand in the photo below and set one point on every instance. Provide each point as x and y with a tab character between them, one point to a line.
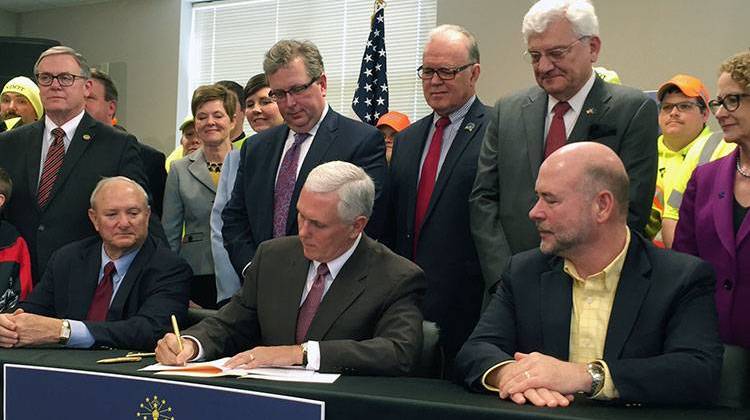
36	329
536	370
267	356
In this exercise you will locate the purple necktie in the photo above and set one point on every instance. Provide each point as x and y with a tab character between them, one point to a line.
52	165
282	195
310	305
103	294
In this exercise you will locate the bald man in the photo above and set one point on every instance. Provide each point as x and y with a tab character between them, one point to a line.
596	309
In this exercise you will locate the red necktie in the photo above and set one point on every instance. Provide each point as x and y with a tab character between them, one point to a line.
556	137
102	295
310	305
427	177
52	165
282	195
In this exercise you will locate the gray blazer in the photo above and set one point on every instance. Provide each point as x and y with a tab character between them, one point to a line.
188	198
513	149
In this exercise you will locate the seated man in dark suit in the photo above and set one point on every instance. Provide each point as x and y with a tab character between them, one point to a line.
117	289
274	164
330	299
597	308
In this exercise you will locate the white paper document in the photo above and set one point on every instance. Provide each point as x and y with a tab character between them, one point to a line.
216	368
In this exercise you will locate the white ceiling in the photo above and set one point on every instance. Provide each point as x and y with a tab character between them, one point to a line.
22	6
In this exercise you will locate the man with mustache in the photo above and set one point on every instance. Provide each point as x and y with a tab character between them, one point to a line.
19	103
570	104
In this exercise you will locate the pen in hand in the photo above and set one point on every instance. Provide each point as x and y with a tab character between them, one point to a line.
177	332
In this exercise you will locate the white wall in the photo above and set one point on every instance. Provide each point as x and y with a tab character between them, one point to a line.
8	22
142	35
646	41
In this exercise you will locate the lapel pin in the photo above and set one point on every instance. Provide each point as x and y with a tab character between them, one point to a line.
590	111
721	194
86	137
470	127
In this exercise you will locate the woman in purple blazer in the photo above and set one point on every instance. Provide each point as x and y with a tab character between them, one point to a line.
713	223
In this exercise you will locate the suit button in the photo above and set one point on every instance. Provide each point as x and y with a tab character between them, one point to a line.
40	228
408	236
728	284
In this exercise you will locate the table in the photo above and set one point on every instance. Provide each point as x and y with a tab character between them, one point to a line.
379	398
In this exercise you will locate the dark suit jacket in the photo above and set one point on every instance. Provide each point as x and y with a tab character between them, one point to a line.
368	322
662	344
248	216
156	174
620	117
106	151
156	285
706	230
446	249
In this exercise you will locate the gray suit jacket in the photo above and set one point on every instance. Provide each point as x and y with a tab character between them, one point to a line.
188	198
368	322
512	152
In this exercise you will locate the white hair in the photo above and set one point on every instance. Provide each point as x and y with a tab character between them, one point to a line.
108	180
580	14
472	46
355	188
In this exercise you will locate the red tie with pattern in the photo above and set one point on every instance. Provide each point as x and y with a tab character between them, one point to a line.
102	295
52	165
310	305
282	195
427	177
556	137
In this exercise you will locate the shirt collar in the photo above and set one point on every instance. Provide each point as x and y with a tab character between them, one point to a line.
122	264
336	264
576	102
613	269
458	114
69	127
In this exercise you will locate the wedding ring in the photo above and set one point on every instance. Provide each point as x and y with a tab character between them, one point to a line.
252	357
526	374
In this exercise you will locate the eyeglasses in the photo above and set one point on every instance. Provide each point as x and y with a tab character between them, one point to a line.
554	55
426	73
280	94
65	79
729	102
686	106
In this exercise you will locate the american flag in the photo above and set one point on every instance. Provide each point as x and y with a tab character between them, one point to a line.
371	97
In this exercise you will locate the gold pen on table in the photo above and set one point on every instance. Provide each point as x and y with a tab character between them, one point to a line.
177	332
137	354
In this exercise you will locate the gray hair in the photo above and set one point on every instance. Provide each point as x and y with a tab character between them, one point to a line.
472	46
287	50
355	188
108	180
580	14
61	49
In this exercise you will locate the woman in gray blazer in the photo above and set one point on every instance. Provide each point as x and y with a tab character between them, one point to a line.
191	188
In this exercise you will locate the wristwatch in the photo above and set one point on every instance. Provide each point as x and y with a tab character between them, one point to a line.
597	378
304	353
64	332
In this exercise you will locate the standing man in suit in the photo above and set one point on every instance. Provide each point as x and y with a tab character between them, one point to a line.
56	162
101	103
275	163
597	309
117	289
570	104
432	172
331	299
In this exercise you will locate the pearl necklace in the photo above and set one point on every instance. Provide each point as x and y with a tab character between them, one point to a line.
739	168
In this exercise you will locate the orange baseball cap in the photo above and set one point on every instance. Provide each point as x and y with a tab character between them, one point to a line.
395	120
690	86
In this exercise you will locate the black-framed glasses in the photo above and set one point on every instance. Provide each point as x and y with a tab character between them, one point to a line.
426	73
280	94
65	79
686	106
729	102
554	55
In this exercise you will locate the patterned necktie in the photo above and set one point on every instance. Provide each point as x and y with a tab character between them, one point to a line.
310	305
282	195
52	165
102	295
556	137
427	177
